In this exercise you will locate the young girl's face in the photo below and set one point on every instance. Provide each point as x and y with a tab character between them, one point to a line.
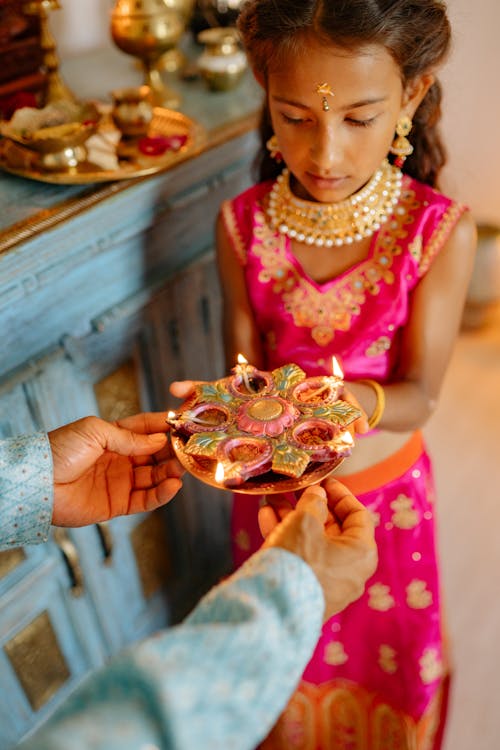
333	153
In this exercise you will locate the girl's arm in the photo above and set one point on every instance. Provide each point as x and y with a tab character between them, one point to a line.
429	337
241	335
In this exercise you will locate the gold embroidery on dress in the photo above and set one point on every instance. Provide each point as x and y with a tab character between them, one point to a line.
296	727
344	721
325	312
387	659
404	516
440	235
431	667
431	720
340	714
392	730
231	223
335	654
242	540
381	345
416	247
418	595
380	597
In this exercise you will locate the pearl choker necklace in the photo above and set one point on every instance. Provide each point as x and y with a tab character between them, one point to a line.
335	224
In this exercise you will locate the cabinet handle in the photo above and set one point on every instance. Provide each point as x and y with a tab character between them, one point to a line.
106	537
72	560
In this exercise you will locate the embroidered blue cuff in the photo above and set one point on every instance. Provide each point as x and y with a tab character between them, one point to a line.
26	490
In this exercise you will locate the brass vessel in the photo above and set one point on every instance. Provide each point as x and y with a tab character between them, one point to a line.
147	29
52	138
175	60
132	110
223	62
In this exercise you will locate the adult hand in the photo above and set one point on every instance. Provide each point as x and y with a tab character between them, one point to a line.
104	469
333	533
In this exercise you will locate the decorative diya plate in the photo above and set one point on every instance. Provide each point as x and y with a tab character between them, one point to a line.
263	432
170	138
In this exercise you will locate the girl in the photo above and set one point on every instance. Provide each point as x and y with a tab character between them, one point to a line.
351	252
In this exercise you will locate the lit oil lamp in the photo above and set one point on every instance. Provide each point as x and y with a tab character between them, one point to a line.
204	417
219	473
321	389
318	437
242	457
346	438
248	380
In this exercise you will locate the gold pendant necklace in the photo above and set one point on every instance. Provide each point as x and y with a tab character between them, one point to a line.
335	224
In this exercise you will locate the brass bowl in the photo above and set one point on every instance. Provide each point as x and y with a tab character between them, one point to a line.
58	146
76	134
145	35
132	110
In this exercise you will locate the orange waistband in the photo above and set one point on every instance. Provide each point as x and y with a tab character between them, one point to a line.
385	471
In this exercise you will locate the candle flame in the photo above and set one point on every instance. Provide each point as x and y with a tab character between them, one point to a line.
336	369
242	360
219	473
171	415
346	438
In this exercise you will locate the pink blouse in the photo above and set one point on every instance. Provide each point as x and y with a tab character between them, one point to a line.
357	316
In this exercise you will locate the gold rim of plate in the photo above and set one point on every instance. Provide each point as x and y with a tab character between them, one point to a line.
165	122
204	469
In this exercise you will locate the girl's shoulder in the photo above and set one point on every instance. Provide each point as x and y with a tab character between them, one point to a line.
251	197
429	219
429	197
238	214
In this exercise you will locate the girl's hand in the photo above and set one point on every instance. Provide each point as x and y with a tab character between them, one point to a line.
183	388
360	425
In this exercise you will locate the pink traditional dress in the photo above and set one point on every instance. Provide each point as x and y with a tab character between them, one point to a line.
378	677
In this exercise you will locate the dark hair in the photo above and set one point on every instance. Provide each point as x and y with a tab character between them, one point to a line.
415	32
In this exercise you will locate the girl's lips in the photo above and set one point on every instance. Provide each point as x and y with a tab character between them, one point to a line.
327	183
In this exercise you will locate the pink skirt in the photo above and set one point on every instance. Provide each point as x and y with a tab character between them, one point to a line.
378	678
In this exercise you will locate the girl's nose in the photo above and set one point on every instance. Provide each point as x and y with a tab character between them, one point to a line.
326	149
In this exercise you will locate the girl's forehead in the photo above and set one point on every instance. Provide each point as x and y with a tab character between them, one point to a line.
343	69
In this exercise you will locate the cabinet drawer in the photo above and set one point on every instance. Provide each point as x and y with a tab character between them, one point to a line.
47	643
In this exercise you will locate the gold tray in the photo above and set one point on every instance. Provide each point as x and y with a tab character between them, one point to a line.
134	163
264	484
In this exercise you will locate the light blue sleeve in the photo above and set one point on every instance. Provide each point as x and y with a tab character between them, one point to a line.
216	682
26	490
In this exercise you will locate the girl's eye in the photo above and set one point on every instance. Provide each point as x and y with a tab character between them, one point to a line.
360	123
292	120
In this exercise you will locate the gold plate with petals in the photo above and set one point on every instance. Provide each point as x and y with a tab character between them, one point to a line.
264	484
254	428
17	160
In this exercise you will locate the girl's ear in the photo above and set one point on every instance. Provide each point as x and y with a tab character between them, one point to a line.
414	92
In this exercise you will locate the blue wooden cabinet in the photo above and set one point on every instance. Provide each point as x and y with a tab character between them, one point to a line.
107	294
